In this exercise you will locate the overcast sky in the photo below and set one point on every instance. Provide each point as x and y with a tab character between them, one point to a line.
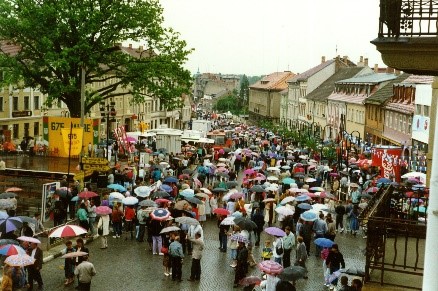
256	37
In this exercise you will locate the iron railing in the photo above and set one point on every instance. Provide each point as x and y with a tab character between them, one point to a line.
408	18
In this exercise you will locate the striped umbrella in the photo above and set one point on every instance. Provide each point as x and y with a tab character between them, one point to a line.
10	249
10	224
68	231
270	267
160	214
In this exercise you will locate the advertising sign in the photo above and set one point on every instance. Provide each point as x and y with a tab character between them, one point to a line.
388	158
52	133
48	201
72	140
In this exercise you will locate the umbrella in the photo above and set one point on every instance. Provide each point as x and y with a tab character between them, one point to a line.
237	195
10	224
130	200
275	231
160	214
19	260
74	199
170	229
272	178
365	195
228	220
283	210
187	171
103	210
180	205
251	280
219	190
301	198
28	219
159	194
74	255
188	193
147	203
143	191
193	200
62	191
245	223
309	216
68	231
11	249
269	200
239	238
319	207
420	209
292	273
232	184
323	242
316	189
87	194
202	195
117	187
287	200
257	189
29	239
222	174
187	220
221	165
384	181
372	190
183	176
272	169
249	171
270	267
116	195
205	190
310	180
285	167
6	195
3	215
221	211
166	188
170	179
13	189
288	181
353	185
354	271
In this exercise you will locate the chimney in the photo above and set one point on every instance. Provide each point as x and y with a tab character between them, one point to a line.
397	72
365	62
130	45
322	59
345	59
376	68
361	59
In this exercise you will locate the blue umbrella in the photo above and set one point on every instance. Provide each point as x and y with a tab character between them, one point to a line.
288	181
323	242
75	198
309	216
170	180
187	194
384	181
302	198
3	215
10	224
166	188
305	206
117	187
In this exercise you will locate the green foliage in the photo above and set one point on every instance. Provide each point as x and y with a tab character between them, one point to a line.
244	90
229	103
56	39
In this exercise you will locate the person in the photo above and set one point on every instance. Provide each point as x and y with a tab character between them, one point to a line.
288	245
129	220
270	213
278	250
116	219
354	219
320	229
26	230
142	216
331	228
39	227
91	209
85	272
301	254
242	263
198	247
58	213
157	241
90	149
2	165
7	282
176	257
334	261
270	284
259	220
193	229
18	278
285	286
356	285
80	248
306	234
355	194
82	215
69	265
340	212
267	251
344	284
104	224
34	271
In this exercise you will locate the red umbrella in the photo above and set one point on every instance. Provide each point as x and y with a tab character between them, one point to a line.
183	176
162	200
237	195
87	194
270	267
251	280
68	231
103	210
221	211
13	189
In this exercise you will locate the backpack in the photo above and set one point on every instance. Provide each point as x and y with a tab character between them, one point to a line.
279	248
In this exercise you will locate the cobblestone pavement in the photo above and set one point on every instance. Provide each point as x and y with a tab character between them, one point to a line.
127	265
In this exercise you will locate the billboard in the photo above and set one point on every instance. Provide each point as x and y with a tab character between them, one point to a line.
48	201
54	126
388	158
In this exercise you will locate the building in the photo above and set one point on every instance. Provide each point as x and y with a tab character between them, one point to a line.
265	97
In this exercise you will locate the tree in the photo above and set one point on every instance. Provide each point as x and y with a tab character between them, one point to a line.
244	90
55	39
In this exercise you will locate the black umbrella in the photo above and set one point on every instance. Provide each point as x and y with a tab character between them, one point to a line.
364	195
232	184
193	200
292	273
354	271
245	223
299	175
147	203
159	194
8	241
219	190
222	174
187	171
257	189
5	195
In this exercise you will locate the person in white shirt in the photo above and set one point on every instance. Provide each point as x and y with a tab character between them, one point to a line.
278	256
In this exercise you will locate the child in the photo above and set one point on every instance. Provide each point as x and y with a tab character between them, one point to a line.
69	264
233	247
267	251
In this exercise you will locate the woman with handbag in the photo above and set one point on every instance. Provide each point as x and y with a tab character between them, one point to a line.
103	230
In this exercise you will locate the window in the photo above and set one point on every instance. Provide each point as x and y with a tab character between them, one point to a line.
26	103
36	128
15	132
400	122
404	126
426	110
387	120
409	126
418	110
15	103
1	103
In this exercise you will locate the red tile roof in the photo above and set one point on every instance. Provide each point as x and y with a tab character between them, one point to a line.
275	81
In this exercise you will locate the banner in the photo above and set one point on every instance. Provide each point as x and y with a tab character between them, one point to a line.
72	140
389	160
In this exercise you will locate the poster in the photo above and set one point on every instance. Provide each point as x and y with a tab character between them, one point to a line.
388	158
48	200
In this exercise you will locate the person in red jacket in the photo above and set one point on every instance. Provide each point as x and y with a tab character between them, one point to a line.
129	220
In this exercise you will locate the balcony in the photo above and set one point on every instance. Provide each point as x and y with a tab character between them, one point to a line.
407	38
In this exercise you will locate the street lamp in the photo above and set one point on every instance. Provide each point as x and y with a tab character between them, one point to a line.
108	113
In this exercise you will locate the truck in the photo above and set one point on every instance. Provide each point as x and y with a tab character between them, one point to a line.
202	125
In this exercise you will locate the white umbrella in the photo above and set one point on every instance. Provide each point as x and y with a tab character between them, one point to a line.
310	180
130	200
205	190
228	220
143	191
283	210
272	178
287	200
420	175
116	195
272	169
